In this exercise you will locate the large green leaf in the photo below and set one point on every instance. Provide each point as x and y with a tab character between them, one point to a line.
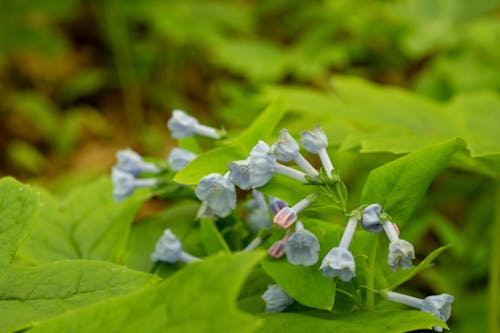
18	211
399	185
88	224
363	322
216	160
34	294
199	298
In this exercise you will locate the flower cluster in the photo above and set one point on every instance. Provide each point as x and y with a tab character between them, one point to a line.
267	215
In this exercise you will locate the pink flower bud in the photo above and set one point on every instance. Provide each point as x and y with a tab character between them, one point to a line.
277	250
285	217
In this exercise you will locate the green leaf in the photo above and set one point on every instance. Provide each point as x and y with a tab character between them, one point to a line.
363	322
398	278
18	212
399	185
307	285
198	298
211	161
263	126
257	60
216	160
87	224
211	237
35	294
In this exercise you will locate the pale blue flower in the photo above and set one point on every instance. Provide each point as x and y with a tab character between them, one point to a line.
131	162
218	192
302	247
125	183
339	262
239	174
371	218
169	249
275	205
401	253
179	158
438	305
314	141
258	218
285	148
276	298
182	125
262	164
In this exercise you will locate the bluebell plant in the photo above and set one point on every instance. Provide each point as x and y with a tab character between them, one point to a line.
218	195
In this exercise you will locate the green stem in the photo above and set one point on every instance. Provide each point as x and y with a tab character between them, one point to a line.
122	53
370	279
494	276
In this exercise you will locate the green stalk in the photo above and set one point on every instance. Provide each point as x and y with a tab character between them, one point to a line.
116	28
370	279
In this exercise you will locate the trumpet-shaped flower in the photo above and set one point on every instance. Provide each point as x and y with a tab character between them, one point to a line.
239	174
125	183
288	215
218	192
169	249
339	262
286	149
182	125
131	162
401	253
371	218
263	166
438	305
179	158
276	298
315	142
302	247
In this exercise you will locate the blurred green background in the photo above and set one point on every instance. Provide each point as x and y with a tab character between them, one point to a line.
81	79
